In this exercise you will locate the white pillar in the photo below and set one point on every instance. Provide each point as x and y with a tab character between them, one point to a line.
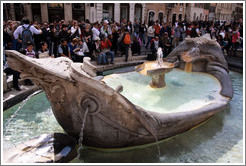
68	11
117	12
29	12
92	14
99	11
143	11
132	12
87	11
44	12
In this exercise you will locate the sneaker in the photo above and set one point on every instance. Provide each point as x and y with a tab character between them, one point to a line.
17	88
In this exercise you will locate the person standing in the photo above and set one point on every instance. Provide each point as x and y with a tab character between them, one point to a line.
157	28
136	29
142	30
75	30
24	33
105	29
87	37
127	43
151	34
235	36
194	32
64	33
95	31
177	34
115	40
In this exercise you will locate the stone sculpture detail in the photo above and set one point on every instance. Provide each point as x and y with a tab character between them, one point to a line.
113	121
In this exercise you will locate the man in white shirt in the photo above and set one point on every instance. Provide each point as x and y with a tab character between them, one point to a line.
95	31
151	34
18	32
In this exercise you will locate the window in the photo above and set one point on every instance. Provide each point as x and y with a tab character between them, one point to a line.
124	11
78	11
108	12
78	6
55	5
160	17
138	12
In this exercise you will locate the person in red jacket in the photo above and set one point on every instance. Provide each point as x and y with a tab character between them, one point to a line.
105	47
157	28
235	36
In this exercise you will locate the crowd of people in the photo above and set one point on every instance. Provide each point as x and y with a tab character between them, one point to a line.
105	40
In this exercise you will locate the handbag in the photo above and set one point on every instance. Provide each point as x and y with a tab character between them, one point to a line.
239	40
80	53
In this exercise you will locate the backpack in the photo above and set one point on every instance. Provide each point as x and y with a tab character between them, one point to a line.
26	35
127	39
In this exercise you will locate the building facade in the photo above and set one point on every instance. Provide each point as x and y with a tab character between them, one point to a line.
49	12
224	11
197	11
237	13
175	12
167	12
155	12
211	15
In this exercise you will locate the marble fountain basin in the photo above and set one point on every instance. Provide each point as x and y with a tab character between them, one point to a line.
123	110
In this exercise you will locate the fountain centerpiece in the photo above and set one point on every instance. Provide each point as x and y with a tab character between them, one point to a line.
156	69
133	114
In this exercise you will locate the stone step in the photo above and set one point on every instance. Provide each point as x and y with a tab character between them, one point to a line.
134	58
14	97
8	83
240	53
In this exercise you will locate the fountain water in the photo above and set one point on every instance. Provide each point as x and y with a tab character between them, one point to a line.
81	135
19	108
188	58
159	56
156	70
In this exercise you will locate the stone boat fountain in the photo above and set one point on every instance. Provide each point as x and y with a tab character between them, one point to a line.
113	119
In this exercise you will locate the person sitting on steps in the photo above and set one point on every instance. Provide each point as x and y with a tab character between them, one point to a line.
105	47
98	52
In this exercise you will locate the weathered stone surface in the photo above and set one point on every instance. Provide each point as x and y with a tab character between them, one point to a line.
47	148
5	85
210	60
113	121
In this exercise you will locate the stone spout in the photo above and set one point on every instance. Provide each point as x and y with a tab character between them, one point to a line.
156	71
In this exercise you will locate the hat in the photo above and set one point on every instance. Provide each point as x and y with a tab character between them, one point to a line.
97	38
105	21
165	33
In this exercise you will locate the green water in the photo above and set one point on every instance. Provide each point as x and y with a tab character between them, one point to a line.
184	91
34	119
219	140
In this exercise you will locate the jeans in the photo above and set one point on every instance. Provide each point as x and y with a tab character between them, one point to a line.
142	37
126	51
111	54
136	34
234	49
149	39
102	58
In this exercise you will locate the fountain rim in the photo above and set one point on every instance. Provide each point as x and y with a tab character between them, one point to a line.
223	99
